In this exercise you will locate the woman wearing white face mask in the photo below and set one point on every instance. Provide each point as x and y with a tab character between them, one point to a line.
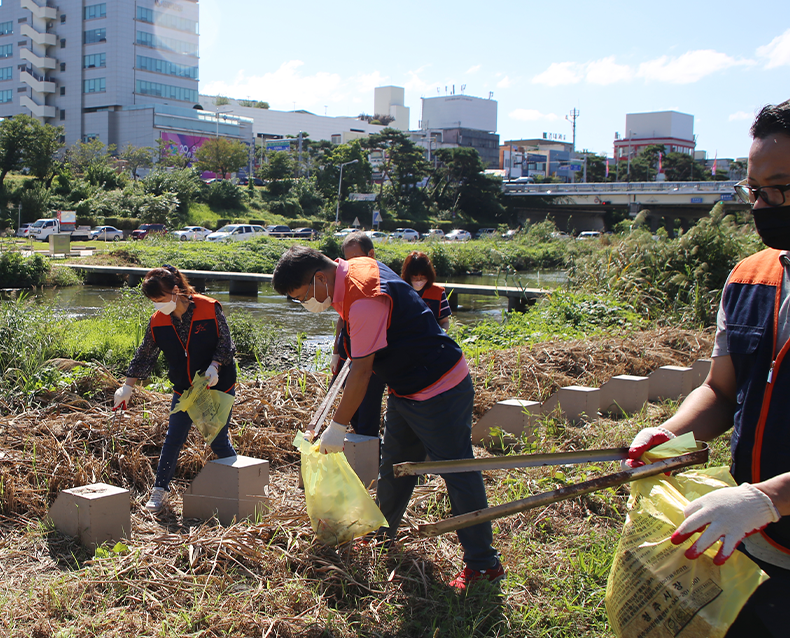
192	332
419	272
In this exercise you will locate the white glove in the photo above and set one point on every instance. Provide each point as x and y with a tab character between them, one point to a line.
212	374
334	363
732	513
122	396
644	440
333	438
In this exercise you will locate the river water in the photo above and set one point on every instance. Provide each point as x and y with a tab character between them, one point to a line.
81	301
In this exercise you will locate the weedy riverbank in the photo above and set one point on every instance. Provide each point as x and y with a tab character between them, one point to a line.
176	577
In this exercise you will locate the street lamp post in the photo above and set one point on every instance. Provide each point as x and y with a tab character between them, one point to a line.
339	183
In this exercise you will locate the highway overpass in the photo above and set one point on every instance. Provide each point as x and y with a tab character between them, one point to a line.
583	206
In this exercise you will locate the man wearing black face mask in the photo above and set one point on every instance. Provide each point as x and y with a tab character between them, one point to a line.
748	389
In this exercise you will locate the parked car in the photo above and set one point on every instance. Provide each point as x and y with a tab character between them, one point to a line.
192	233
236	232
243	181
149	229
305	233
406	234
560	234
376	236
24	229
510	234
106	233
459	234
433	233
482	233
275	230
588	234
342	233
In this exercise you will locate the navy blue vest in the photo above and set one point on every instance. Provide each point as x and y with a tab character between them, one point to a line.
760	439
418	352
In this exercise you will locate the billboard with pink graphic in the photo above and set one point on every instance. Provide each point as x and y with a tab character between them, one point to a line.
179	144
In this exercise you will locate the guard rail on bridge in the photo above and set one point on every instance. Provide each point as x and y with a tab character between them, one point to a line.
593	188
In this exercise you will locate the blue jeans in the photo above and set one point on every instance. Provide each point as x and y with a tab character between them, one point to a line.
442	428
177	432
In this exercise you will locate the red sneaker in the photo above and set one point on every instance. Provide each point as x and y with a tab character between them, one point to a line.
465	578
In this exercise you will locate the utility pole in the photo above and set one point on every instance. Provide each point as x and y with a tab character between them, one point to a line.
572	117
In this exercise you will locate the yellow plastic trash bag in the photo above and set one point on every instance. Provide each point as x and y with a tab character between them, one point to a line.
209	409
653	590
339	506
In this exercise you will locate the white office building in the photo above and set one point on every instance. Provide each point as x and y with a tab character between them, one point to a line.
122	71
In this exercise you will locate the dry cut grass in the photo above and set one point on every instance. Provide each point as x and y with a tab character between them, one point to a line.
179	577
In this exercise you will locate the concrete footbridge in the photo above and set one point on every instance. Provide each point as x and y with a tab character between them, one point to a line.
587	203
247	283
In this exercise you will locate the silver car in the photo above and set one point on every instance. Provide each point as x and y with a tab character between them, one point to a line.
106	233
192	233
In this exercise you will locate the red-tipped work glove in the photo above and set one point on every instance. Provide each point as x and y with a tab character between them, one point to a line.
333	439
645	440
731	513
122	396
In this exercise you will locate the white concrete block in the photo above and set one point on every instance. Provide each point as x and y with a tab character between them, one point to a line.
514	417
362	453
579	404
701	368
624	394
671	382
233	489
96	514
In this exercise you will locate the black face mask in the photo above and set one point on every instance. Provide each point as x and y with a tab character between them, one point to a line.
773	226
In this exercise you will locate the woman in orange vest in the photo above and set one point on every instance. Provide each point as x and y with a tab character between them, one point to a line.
191	330
419	272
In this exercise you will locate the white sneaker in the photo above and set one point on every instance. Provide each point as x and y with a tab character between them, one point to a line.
157	501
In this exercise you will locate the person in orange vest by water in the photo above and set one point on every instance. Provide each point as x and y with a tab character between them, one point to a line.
419	272
191	330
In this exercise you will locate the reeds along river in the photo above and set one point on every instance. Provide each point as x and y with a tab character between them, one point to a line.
81	301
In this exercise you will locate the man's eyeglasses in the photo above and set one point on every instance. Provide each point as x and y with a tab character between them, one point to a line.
772	195
303	299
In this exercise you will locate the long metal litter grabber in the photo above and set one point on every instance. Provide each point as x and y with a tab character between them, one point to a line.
335	385
697	457
511	462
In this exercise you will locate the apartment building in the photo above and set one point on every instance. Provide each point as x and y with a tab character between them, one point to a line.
118	70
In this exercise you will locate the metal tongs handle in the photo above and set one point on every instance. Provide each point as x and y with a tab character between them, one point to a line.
335	385
697	457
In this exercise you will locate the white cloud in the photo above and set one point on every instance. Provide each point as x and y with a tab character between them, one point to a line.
475	68
532	115
777	51
367	82
560	73
285	87
740	115
689	67
504	83
606	71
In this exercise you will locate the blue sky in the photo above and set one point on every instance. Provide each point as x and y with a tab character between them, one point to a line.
718	61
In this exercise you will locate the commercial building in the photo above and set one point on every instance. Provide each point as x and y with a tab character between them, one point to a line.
673	130
388	100
123	72
460	121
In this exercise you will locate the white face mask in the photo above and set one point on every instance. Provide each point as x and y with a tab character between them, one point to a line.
418	284
167	307
313	305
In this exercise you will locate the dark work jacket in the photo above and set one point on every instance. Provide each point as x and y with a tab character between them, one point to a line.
432	296
761	435
185	359
418	352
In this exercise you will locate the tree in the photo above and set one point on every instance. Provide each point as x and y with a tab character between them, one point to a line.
41	153
379	119
169	154
94	160
681	167
460	185
14	137
138	157
278	171
221	156
596	169
356	177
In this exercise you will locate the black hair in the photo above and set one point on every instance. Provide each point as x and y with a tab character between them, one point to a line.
296	267
161	281
360	238
418	263
772	119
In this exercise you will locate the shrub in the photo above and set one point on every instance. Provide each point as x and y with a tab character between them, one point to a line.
184	182
22	272
224	194
35	199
